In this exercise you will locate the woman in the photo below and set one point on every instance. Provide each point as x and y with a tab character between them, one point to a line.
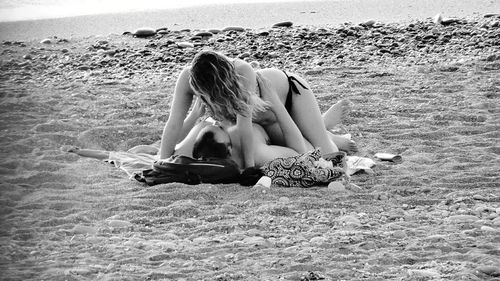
236	94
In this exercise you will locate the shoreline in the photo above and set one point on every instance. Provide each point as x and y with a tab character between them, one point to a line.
263	15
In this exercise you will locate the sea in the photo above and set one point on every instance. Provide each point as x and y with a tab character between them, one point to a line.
39	19
20	10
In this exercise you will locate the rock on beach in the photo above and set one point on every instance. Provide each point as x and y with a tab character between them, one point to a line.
144	32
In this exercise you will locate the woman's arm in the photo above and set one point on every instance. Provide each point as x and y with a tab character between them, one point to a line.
183	96
244	123
196	112
244	126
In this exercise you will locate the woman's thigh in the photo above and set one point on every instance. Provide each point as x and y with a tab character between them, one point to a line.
306	113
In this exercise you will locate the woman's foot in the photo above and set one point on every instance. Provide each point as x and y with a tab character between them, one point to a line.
344	144
337	113
97	154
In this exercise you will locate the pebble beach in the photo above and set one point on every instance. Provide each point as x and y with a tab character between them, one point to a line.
427	90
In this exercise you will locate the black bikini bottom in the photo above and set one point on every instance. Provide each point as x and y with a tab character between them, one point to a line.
292	89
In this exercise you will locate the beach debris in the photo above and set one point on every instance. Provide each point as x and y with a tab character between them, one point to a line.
46	41
438	19
264	181
283	24
185	45
356	164
233	28
144	32
389	157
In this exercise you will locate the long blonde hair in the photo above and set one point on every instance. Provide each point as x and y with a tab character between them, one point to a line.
214	78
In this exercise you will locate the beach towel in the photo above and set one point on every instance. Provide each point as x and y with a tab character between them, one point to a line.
304	170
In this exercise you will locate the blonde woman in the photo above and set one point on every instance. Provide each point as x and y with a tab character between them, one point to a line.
236	94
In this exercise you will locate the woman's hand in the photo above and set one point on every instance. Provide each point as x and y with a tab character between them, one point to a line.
269	94
198	107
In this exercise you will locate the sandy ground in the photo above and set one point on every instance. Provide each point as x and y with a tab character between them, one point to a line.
427	92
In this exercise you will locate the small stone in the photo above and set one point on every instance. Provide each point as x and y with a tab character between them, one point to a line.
488	229
490	270
83	229
449	21
46	41
204	34
255	64
368	23
492	57
336	186
214	31
496	221
185	45
317	240
284	199
244	55
283	24
234	28
256	241
463	219
477	196
492	16
349	221
400	234
27	57
144	32
119	224
371	48
424	273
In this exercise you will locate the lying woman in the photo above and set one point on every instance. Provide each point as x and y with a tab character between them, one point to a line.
237	95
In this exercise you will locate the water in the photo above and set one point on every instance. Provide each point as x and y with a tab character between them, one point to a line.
18	10
38	19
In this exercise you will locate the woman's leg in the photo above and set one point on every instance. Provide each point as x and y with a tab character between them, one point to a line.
306	113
